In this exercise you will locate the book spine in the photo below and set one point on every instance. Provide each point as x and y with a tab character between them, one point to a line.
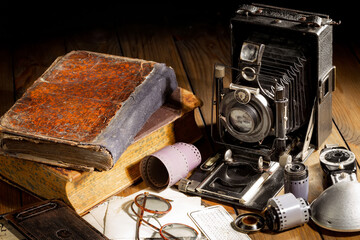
149	96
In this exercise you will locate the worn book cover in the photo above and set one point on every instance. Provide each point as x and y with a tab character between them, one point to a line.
85	110
172	122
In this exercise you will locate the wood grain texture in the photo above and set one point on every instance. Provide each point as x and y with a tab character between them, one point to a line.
200	48
152	43
10	198
346	104
97	39
155	43
31	59
6	80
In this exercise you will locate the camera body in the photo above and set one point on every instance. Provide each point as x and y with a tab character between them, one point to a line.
271	106
281	71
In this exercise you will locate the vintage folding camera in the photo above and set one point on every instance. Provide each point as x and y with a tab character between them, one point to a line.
271	107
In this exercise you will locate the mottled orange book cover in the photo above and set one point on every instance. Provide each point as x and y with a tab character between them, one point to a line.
85	110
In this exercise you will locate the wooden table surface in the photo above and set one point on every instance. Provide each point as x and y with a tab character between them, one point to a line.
191	48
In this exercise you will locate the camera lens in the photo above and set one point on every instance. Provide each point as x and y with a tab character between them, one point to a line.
249	122
243	119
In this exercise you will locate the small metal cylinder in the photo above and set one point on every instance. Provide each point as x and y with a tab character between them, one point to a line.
219	71
281	118
296	180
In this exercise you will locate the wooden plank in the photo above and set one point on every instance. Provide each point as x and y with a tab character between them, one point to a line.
155	43
6	81
346	104
28	199
31	59
330	235
98	39
200	48
10	198
346	110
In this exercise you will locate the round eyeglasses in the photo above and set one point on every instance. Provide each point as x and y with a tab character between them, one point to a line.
159	206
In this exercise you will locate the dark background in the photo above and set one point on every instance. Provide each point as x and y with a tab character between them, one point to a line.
28	21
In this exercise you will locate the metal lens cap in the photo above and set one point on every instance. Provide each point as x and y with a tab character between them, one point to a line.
248	222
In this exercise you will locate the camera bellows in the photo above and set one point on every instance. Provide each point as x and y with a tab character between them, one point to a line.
288	67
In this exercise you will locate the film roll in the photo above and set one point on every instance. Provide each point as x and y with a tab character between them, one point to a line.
296	180
167	166
286	211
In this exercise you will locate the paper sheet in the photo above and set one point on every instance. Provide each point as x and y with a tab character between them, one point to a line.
116	220
96	216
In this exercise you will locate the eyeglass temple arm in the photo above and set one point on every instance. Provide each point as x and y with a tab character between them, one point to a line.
138	223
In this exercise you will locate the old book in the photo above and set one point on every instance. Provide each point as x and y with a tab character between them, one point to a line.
85	110
82	190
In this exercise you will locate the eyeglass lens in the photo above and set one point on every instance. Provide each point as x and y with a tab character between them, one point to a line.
178	231
158	205
153	203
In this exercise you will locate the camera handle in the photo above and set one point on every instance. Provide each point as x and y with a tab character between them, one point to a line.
278	13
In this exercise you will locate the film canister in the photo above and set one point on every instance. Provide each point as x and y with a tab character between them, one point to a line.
296	180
